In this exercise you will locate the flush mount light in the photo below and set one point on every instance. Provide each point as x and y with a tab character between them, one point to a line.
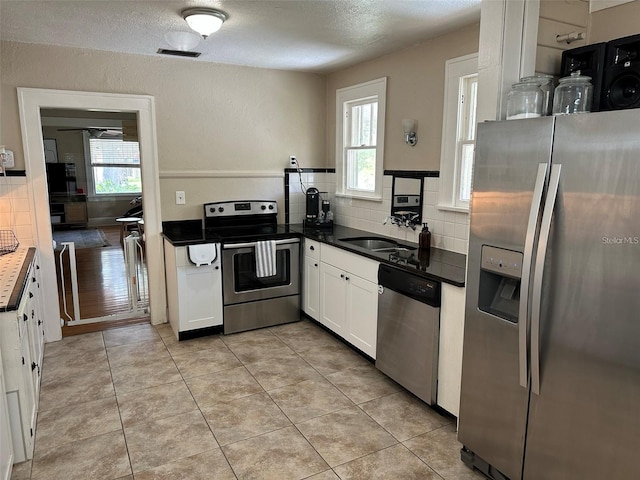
204	20
183	41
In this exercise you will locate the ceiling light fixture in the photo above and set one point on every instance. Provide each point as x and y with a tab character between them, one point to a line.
183	41
204	20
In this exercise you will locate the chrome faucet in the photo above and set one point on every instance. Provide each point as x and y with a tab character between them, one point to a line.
404	220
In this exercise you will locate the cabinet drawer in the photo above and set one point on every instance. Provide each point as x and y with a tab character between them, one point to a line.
350	262
312	249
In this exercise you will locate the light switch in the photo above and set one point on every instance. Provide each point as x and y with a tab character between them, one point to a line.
180	197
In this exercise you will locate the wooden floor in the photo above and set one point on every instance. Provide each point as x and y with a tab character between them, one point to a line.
102	285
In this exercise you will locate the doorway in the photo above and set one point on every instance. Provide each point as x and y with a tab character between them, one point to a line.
30	102
93	167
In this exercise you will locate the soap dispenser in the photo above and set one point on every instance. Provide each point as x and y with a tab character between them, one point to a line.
424	239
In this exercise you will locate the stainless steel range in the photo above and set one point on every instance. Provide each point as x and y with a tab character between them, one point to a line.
260	264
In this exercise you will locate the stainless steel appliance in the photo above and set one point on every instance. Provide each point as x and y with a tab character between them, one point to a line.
252	300
551	366
409	330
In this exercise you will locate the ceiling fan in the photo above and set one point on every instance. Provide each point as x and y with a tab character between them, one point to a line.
96	132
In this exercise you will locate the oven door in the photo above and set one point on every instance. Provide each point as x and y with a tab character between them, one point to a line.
241	282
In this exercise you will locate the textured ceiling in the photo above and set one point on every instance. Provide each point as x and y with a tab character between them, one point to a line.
306	35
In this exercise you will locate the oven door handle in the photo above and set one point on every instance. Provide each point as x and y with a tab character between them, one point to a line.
287	241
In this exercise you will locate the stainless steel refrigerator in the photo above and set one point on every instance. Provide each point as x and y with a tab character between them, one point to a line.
551	364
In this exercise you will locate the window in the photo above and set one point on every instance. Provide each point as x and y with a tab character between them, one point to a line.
360	112
114	167
458	132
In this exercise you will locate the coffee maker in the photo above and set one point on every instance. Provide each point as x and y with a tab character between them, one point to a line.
318	213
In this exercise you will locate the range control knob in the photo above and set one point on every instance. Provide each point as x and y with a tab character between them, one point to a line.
212	209
263	207
221	209
270	207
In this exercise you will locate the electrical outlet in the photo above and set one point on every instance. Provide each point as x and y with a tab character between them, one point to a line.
293	161
180	197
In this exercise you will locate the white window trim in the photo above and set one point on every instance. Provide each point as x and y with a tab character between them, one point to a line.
92	196
455	69
374	88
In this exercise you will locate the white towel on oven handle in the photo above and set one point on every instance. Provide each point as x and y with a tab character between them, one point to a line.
266	258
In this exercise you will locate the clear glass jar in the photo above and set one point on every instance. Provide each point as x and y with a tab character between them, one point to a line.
524	100
573	95
546	85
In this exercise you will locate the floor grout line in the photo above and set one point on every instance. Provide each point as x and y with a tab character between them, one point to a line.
288	340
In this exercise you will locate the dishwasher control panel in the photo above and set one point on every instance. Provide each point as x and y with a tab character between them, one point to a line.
419	288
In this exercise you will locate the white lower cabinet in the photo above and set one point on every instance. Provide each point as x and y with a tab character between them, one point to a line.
450	352
349	297
311	279
333	299
362	314
194	294
6	447
21	347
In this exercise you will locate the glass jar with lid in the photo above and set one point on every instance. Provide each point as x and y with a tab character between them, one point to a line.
524	100
573	94
546	85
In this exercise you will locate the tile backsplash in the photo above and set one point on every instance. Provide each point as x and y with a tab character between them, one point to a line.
449	230
15	211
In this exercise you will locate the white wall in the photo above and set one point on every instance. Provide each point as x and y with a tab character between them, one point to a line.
210	117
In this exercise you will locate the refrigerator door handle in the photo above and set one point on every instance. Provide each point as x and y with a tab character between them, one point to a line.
523	310
545	228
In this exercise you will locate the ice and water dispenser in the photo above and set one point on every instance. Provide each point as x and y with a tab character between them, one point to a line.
500	275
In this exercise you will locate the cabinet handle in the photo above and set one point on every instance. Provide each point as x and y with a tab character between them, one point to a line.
25	317
33	279
34	365
315	264
346	278
342	275
30	294
39	322
311	248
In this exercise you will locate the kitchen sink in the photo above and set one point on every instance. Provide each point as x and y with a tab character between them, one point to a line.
377	244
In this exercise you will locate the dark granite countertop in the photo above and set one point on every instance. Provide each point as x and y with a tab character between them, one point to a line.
441	265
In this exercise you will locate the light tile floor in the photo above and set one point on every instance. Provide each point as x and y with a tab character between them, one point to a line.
287	402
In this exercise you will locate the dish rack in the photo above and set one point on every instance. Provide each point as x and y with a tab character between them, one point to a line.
8	242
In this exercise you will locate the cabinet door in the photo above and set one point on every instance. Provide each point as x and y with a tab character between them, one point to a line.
27	398
333	299
199	294
311	300
6	452
450	352
362	314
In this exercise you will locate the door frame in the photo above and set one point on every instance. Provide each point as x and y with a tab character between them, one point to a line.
30	101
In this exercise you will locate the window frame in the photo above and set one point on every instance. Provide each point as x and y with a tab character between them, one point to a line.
456	69
91	186
345	99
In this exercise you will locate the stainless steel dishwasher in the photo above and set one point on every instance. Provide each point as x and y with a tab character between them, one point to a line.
409	330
